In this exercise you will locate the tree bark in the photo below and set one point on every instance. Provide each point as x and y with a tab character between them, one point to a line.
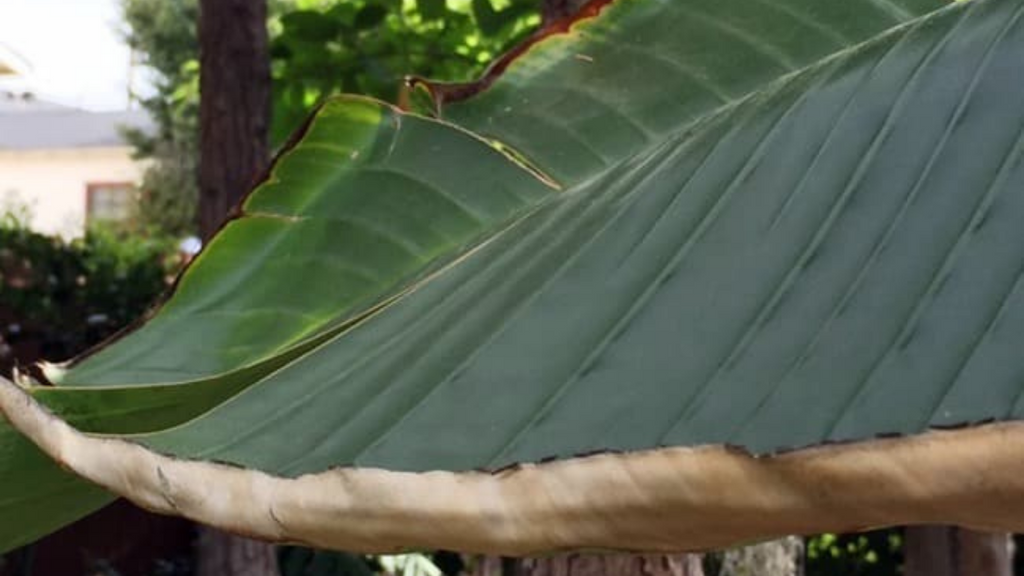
589	565
554	10
234	117
222	554
234	110
783	557
948	551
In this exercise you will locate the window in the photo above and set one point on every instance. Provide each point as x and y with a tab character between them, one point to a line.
109	202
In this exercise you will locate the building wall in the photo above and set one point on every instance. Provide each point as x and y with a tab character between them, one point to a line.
52	183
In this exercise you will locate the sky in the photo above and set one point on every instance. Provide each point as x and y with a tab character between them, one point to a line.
74	48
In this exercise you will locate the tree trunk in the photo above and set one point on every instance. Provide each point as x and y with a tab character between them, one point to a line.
948	551
234	114
234	111
589	565
222	554
783	557
554	10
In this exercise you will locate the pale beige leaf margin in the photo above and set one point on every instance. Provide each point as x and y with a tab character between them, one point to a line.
670	499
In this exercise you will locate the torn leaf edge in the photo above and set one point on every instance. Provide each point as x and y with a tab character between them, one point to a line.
661	500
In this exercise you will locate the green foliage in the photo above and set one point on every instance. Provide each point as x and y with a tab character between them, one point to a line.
368	46
164	32
296	561
170	192
318	48
876	553
59	297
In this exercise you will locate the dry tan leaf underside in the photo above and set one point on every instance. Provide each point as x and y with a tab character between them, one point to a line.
670	499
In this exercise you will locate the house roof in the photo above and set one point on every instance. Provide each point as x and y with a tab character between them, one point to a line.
12	101
28	123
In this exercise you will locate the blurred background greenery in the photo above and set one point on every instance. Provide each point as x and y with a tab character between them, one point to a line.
318	48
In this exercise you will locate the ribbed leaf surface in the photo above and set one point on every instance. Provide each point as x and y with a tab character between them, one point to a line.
835	258
779	224
580	102
367	204
367	201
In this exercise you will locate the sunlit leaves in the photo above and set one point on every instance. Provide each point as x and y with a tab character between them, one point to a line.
369	46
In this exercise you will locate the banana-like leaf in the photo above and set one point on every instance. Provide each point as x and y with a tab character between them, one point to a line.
789	227
351	216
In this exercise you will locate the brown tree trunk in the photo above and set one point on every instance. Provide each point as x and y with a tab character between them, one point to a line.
234	111
782	557
589	565
234	114
948	551
222	554
553	10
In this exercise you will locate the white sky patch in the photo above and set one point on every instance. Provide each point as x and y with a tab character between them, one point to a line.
75	50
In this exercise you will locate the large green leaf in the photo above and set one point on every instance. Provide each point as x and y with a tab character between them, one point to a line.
580	102
362	208
847	239
367	202
782	224
41	496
